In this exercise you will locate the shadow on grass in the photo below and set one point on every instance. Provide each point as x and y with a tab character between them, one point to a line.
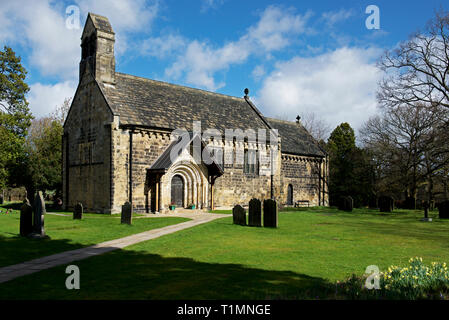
126	274
17	249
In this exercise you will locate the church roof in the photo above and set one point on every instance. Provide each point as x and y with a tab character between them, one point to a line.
101	23
160	105
295	139
156	104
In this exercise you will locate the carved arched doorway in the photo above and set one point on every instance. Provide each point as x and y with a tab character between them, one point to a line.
177	191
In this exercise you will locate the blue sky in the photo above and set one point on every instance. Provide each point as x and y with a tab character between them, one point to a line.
296	57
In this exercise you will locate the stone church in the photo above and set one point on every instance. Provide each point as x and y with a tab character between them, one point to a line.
118	143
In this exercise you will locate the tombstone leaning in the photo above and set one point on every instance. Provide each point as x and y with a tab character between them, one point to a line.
239	215
270	213
78	211
255	213
26	218
38	216
126	213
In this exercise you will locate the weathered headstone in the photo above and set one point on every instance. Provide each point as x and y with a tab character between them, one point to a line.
372	203
346	203
239	215
443	209
38	216
26	218
255	213
78	211
127	213
270	213
426	206
410	203
386	204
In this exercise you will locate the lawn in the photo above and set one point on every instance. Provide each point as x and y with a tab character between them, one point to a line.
303	258
66	233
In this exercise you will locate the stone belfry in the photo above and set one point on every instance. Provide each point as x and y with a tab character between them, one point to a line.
97	49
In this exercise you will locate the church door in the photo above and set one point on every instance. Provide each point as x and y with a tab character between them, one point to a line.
290	195
177	191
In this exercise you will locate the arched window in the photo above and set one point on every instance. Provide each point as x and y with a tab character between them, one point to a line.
290	195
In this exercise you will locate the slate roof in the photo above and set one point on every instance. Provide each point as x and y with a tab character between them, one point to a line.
157	104
295	139
164	161
101	23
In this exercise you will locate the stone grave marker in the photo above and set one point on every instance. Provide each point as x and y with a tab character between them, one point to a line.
26	218
38	216
239	215
386	204
443	210
346	203
255	213
78	211
270	213
127	214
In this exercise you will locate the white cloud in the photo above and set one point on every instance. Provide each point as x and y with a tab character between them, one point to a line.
41	27
162	47
338	86
200	61
54	49
258	72
211	4
43	98
333	17
125	17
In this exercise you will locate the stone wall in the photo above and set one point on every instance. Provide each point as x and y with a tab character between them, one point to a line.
86	149
304	173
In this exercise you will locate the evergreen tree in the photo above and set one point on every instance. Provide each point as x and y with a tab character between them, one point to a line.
15	116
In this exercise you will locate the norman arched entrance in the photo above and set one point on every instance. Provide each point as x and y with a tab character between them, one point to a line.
177	191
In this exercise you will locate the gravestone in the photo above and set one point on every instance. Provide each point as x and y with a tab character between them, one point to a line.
78	211
255	213
270	214
372	203
58	203
239	215
386	204
346	203
38	216
410	203
127	213
26	218
426	205
443	210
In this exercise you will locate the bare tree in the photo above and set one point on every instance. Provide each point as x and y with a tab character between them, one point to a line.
316	126
418	70
408	145
61	111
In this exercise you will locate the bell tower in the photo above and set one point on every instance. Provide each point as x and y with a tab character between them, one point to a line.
97	49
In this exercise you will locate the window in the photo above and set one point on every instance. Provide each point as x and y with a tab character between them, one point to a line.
251	162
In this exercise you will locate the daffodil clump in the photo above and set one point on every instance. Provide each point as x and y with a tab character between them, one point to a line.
417	280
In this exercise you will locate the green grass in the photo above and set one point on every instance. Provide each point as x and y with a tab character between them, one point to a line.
66	233
303	258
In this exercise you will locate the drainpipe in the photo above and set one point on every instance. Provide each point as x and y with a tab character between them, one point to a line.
131	131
